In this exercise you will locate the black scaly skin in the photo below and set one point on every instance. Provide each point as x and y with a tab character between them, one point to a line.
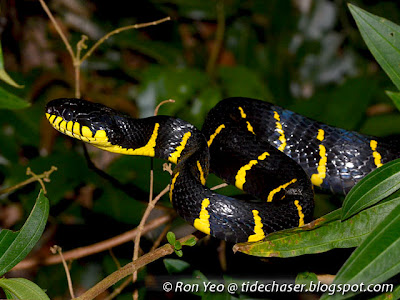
349	155
231	219
126	131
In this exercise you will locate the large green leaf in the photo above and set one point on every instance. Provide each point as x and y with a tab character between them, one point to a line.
21	288
326	235
376	259
376	186
4	75
11	101
383	40
14	246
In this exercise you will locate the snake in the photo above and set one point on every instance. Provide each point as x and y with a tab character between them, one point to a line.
269	152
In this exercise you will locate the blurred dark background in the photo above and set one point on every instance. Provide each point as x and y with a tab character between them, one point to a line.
306	55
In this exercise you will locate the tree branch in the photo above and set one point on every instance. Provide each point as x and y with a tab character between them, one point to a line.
130	268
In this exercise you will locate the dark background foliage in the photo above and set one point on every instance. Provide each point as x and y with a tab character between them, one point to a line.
304	55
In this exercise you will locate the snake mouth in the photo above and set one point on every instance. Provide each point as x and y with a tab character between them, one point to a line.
81	120
78	131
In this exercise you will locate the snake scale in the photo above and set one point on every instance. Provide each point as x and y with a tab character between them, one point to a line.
267	151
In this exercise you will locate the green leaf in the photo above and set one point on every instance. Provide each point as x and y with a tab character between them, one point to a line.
14	246
179	253
190	242
373	188
171	238
376	259
175	265
198	275
9	295
395	96
10	101
178	245
23	289
321	237
3	74
383	40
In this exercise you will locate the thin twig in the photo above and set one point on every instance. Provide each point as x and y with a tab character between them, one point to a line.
77	65
58	28
94	248
75	57
128	280
118	30
150	206
76	60
135	294
44	177
132	267
219	186
162	103
168	168
37	178
326	278
147	213
114	258
57	249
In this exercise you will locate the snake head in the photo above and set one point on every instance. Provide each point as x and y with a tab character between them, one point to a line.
90	122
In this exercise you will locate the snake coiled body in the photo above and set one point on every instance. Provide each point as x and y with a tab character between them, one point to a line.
272	153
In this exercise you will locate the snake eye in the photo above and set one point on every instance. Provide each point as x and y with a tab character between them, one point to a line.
68	115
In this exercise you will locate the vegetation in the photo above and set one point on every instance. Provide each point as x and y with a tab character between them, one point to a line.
308	56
